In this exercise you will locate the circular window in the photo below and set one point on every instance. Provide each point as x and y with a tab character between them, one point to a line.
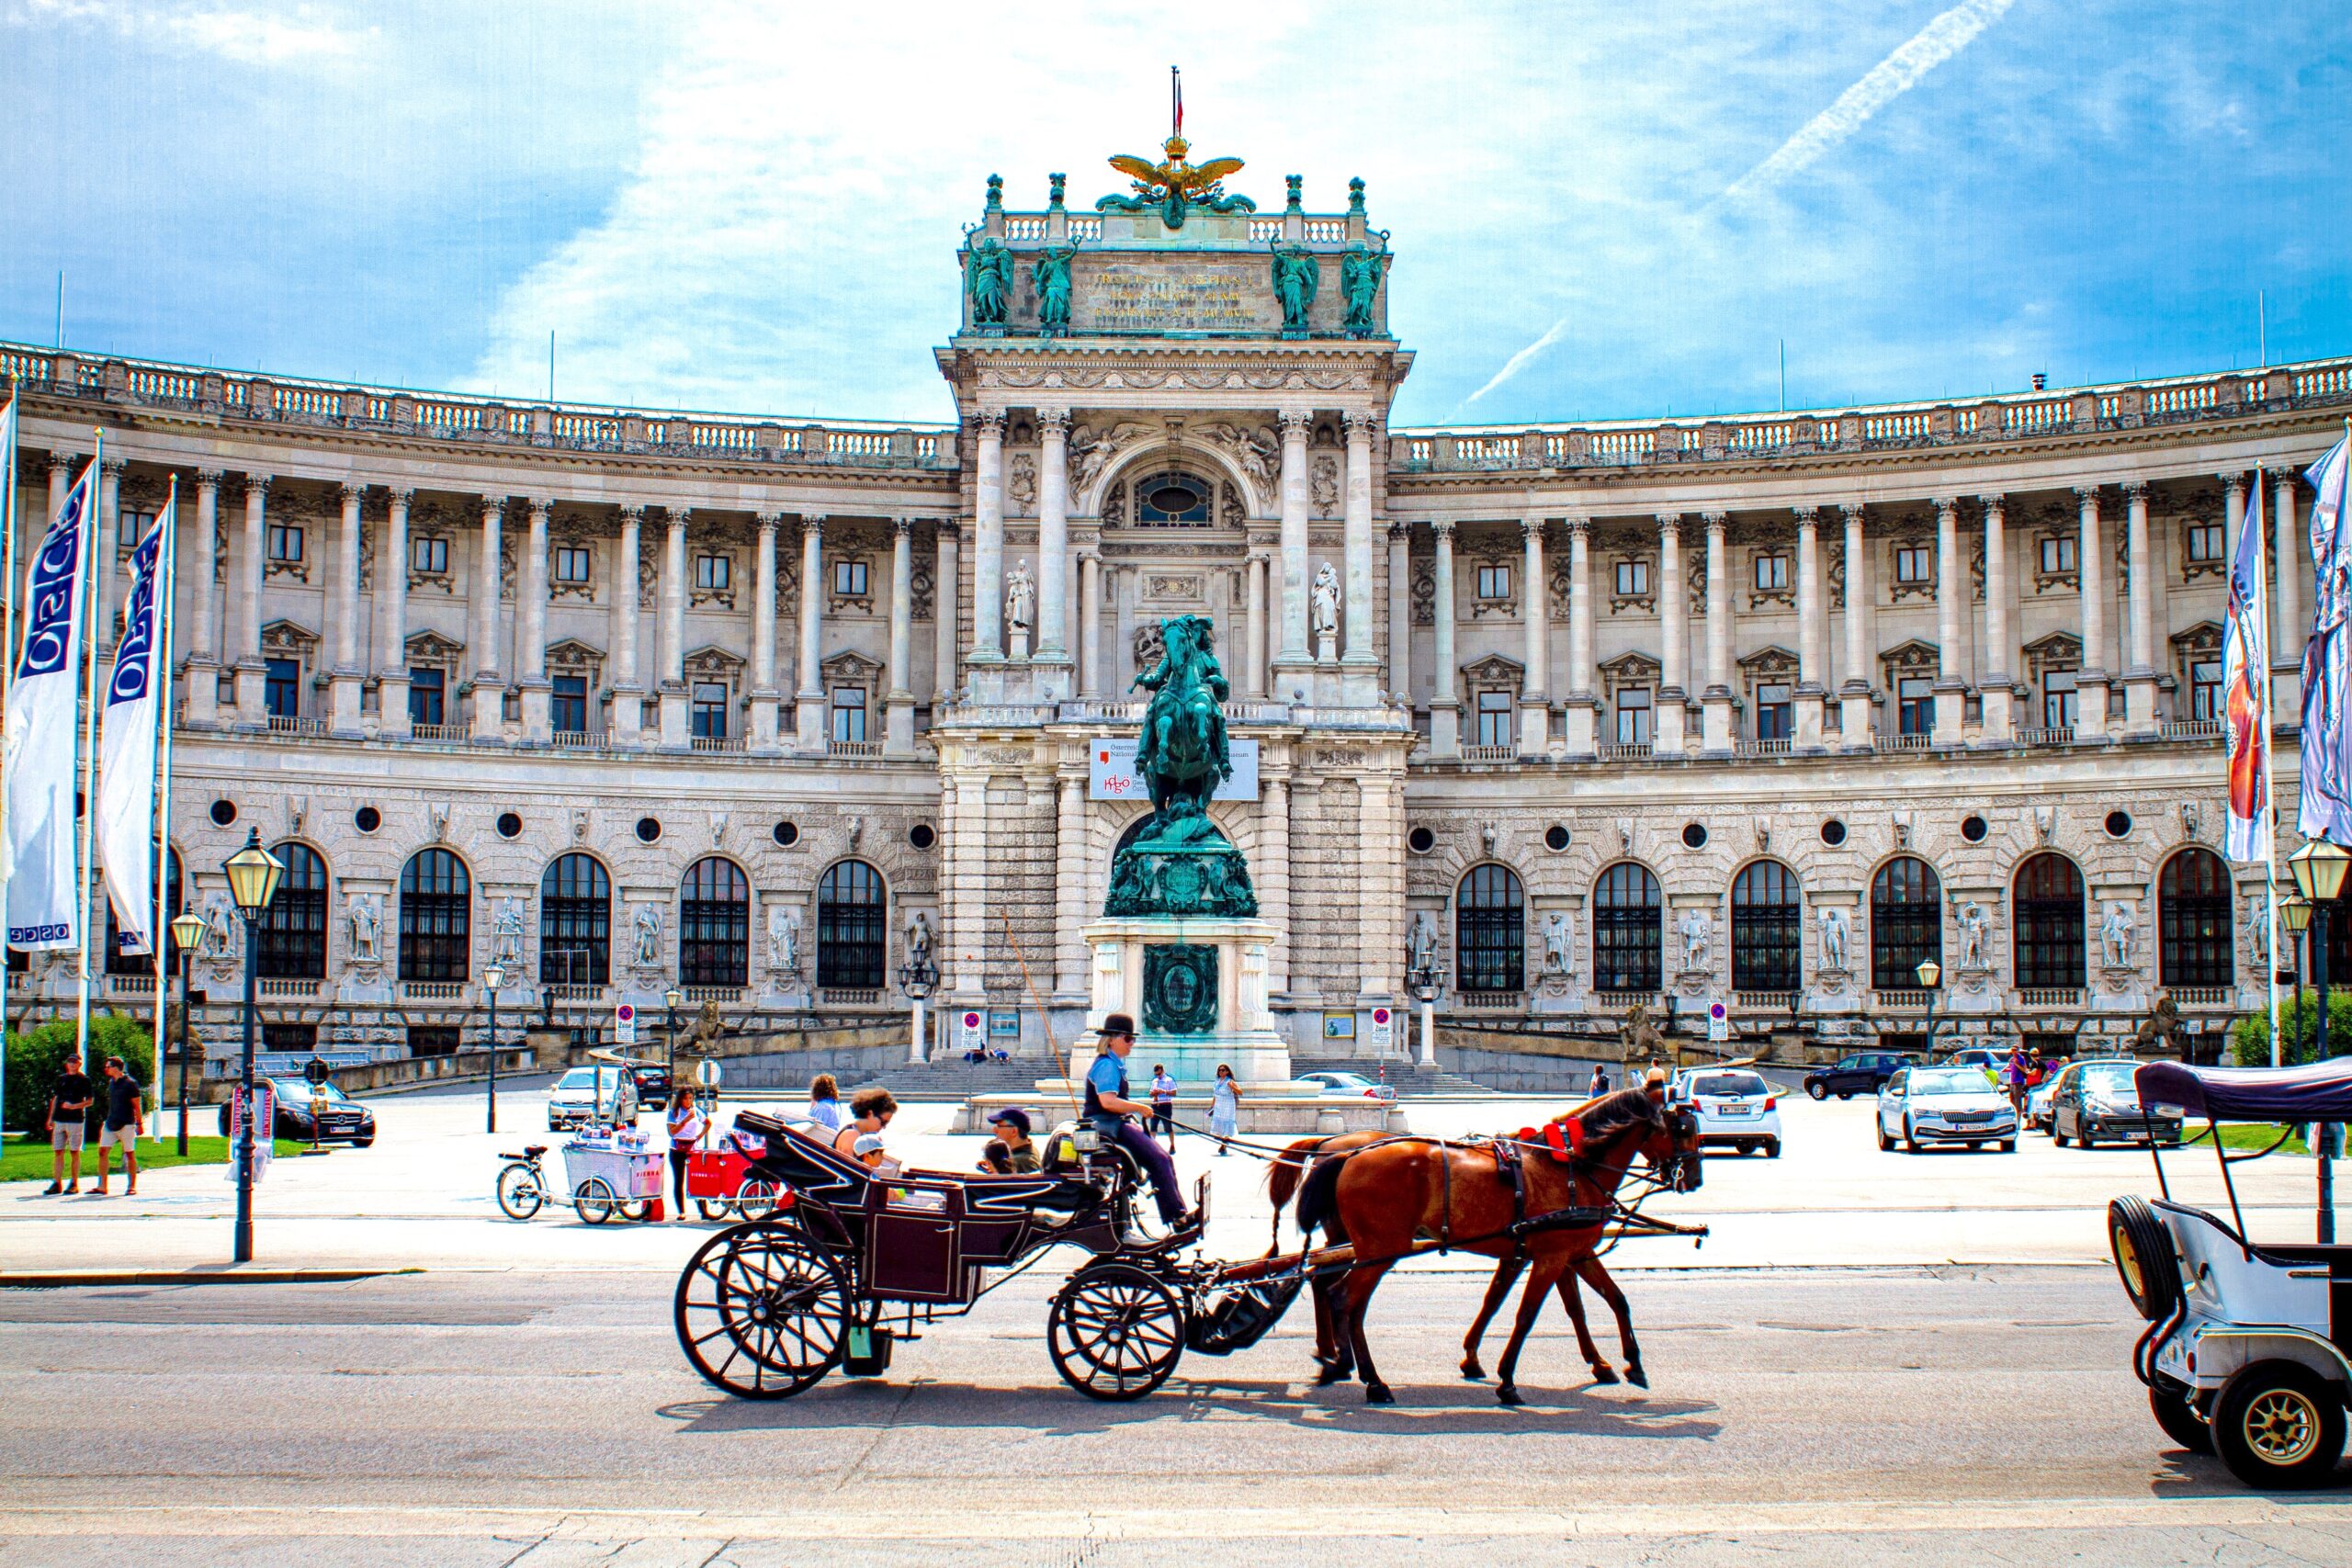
1974	830
1556	838
1695	837
2119	824
649	829
223	813
787	833
509	824
921	836
367	819
1420	840
1833	832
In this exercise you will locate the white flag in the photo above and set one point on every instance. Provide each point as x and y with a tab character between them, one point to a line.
127	748
44	719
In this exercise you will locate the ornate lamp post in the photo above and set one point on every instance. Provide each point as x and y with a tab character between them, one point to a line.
492	977
2319	867
187	931
670	999
253	875
2295	914
917	976
1425	977
1928	973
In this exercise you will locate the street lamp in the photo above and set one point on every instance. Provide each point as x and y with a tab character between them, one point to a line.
493	976
1424	979
917	976
1927	974
2319	867
187	930
253	875
670	999
2295	914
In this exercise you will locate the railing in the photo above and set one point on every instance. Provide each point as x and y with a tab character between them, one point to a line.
1488	754
719	743
279	725
1494	1001
145	986
1901	742
433	990
1621	445
438	731
1766	1001
2050	997
1760	437
723	437
578	739
1089	229
576	993
1893	426
729	995
1326	231
1024	228
2177	400
852	747
1779	747
1264	229
2333	381
2190	729
1625	750
853	997
307	401
290	987
586	427
2046	736
2201	996
1906	999
1486	450
170	384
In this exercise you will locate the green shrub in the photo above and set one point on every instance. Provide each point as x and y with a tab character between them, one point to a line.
2250	1037
37	1056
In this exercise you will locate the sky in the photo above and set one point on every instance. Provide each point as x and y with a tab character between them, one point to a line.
1599	211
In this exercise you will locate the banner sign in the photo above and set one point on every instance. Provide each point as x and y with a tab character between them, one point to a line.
44	711
126	749
1110	770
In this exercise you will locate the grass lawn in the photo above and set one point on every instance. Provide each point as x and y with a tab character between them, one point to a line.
2246	1136
22	1159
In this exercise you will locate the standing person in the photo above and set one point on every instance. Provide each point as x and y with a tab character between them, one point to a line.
2012	1076
1163	1105
1600	1084
69	1114
1009	1153
126	1119
825	1103
686	1123
1109	1110
1224	1107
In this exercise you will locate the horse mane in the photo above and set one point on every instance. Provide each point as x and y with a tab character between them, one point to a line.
1610	1114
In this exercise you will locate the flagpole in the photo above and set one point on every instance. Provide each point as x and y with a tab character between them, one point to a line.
2270	770
92	525
8	670
159	682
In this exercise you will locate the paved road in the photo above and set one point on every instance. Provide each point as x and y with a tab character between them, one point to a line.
1900	1416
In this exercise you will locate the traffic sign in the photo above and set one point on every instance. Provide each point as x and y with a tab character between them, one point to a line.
970	1025
1718	1022
706	1073
624	1023
1384	1028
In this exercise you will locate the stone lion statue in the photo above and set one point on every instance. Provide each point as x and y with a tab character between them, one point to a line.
2161	1029
1638	1038
705	1033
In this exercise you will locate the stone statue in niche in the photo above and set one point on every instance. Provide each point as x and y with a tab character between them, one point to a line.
1420	943
1697	930
918	939
1559	938
1323	604
1836	931
1360	275
506	933
1324	485
647	922
1297	276
783	939
988	280
367	927
1050	273
1151	646
216	927
1021	485
2114	936
1973	928
1020	600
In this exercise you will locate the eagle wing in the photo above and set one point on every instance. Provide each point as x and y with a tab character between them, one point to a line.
1216	169
1136	169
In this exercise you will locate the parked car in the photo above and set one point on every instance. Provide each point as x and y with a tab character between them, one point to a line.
572	1101
315	1113
2037	1102
652	1084
1979	1056
2098	1099
1737	1109
1944	1105
1345	1083
1864	1073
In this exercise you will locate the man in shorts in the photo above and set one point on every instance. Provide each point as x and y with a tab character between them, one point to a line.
68	1111
125	1120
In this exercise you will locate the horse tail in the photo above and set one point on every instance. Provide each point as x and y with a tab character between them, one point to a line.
1282	1176
1318	1205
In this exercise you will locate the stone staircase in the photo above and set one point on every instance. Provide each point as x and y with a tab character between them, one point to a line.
957	1080
1410	1079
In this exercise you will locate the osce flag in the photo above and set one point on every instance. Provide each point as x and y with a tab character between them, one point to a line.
126	749
44	888
2326	802
2245	696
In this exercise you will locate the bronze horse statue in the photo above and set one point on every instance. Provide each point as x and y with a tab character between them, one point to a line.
1183	754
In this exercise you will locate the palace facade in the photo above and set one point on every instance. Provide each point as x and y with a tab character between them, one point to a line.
1763	710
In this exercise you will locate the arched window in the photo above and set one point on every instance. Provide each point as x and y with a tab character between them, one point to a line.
1767	913
1907	923
1489	932
2193	945
1628	930
1174	498
2049	935
121	962
575	922
437	918
294	929
851	946
713	924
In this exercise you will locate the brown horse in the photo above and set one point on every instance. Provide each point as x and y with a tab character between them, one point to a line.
1384	1195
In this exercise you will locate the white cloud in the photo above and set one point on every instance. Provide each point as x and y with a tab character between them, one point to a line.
250	38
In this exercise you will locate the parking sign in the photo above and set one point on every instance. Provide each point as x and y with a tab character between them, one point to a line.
1718	1021
625	1024
1384	1028
971	1027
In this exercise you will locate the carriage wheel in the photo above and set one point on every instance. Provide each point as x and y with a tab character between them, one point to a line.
594	1201
1115	1332
755	1199
761	1313
519	1193
2277	1424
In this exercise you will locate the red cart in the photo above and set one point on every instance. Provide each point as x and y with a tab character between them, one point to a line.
720	1181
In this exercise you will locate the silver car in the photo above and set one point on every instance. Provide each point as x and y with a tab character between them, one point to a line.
1944	1105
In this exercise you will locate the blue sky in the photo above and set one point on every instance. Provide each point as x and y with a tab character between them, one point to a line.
1600	210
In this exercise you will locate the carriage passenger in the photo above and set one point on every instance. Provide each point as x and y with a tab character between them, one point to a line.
1009	1153
825	1103
870	1112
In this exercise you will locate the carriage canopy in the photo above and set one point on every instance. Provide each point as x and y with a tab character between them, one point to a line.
2320	1092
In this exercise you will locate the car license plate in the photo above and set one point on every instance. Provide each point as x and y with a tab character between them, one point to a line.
1734	1111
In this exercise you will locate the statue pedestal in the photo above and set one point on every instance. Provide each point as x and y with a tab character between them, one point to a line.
1327	647
1019	646
1196	988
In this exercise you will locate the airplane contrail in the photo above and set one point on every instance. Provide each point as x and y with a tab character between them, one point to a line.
1946	36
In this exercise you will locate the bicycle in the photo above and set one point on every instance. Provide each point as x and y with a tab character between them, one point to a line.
522	1185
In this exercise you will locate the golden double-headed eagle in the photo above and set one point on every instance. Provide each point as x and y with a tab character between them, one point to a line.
1172	176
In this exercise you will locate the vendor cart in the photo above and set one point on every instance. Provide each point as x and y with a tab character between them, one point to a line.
607	1179
722	1181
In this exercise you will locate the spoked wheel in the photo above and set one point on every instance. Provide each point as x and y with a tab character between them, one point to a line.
594	1201
638	1211
519	1193
1115	1332
761	1313
755	1199
712	1208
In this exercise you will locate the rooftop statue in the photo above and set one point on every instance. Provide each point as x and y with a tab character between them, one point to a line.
1297	276
1359	272
1051	275
988	278
1173	183
1182	863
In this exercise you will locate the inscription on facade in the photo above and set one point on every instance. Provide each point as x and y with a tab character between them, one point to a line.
1156	299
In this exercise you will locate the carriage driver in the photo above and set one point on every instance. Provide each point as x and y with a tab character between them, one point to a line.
1113	1114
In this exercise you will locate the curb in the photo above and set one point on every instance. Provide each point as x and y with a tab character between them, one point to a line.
60	1279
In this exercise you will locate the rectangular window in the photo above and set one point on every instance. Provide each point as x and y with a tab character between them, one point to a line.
1633	715
568	704
285	543
2057	555
573	563
710	710
849	579
1493	582
429	556
1914	700
2205	541
426	689
1495	727
1914	564
2058	700
132	526
713	571
1773	718
2205	688
1632	580
849	713
1771	573
281	692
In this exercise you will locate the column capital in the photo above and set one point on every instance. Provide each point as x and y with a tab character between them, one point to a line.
904	528
949	527
678	517
1716	523
632	511
1947	508
1362	426
1295	423
770	520
1992	503
1851	511
1577	524
2136	491
2233	483
400	495
812	523
1532	529
541	506
257	487
1442	527
206	479
350	494
1397	531
1670	527
2086	494
63	462
1052	422
493	508
1807	517
989	422
111	468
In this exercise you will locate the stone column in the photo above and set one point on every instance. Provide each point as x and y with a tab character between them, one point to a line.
2287	594
489	688
945	601
1445	695
1053	537
988	566
1400	612
1122	582
1717	698
1951	683
628	687
1854	692
1584	703
2233	513
1356	618
203	601
810	700
899	700
671	686
1073	862
346	676
1089	625
1271	868
110	559
249	566
1672	715
61	480
2090	685
1993	681
764	692
1812	635
1535	643
531	659
1293	652
2140	671
1253	677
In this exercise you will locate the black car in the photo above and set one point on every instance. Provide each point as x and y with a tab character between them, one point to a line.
333	1117
1863	1072
652	1085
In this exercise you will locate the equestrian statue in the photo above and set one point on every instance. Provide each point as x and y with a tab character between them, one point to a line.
1180	862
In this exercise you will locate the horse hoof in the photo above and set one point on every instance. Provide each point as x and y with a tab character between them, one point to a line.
1377	1393
1332	1372
1637	1377
1603	1373
1472	1372
1507	1394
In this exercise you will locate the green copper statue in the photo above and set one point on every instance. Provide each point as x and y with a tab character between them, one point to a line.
987	279
1360	275
1297	276
1182	863
1050	273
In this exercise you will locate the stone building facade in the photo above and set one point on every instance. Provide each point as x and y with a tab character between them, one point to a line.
1757	709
